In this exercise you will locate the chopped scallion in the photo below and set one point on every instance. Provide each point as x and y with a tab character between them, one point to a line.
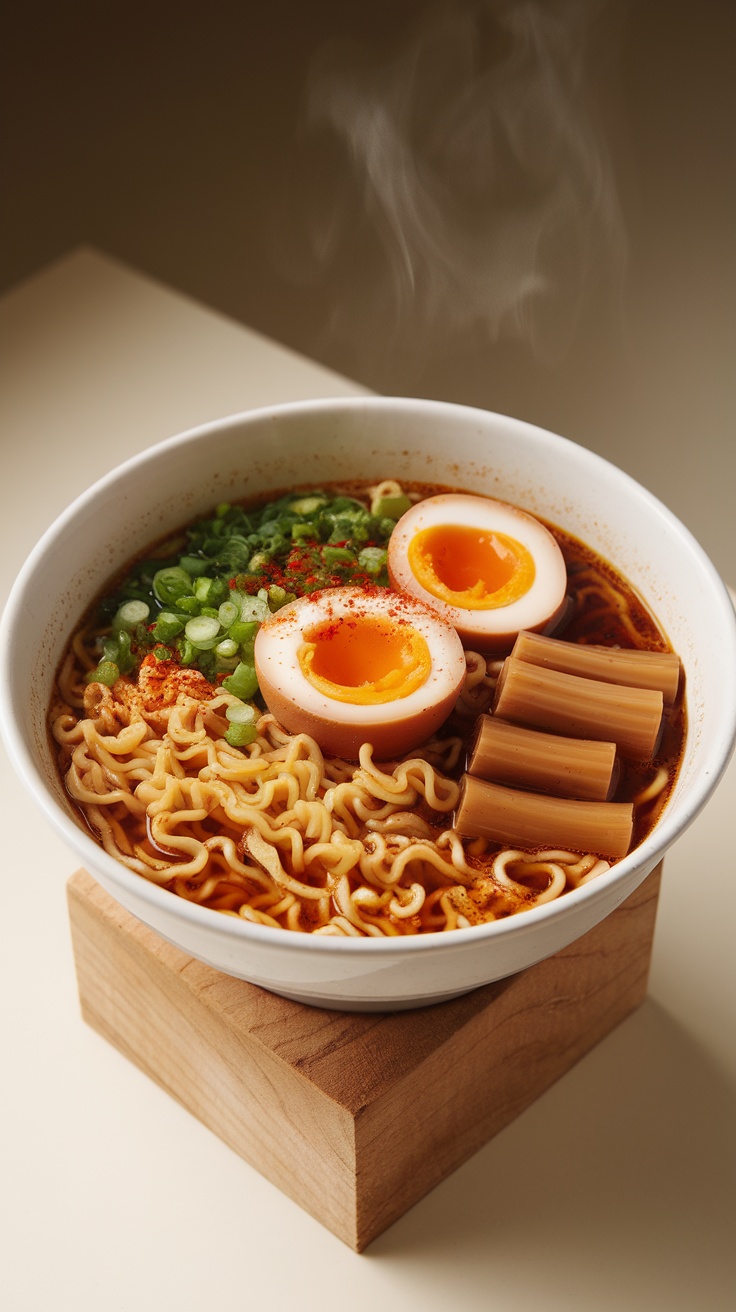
167	626
307	505
130	614
171	584
391	507
188	653
372	559
241	713
303	532
258	562
226	648
278	597
240	735
193	566
107	672
228	613
254	608
337	556
210	591
202	630
243	682
243	631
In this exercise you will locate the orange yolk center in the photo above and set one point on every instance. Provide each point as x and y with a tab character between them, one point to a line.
469	567
365	659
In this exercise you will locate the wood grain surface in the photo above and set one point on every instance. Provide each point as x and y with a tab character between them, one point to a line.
354	1116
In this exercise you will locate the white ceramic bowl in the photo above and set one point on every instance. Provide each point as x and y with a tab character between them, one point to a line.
375	438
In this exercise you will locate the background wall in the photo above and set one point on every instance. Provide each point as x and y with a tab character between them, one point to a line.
525	206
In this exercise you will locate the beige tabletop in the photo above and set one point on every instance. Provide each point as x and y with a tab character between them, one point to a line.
617	1189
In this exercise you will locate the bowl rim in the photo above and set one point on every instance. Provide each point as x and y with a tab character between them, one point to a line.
644	856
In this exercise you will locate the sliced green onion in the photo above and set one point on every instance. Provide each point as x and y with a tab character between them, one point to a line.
241	713
110	649
348	530
107	672
372	559
337	556
391	507
258	562
228	613
118	651
193	566
223	664
167	626
278	597
189	605
240	735
188	654
243	632
161	653
302	532
307	505
254	608
226	648
210	591
171	584
202	630
130	614
243	682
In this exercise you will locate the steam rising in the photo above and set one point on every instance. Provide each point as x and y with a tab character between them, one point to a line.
475	192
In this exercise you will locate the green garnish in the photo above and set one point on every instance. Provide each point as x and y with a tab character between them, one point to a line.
241	713
391	507
107	672
242	682
202	606
167	626
130	614
240	735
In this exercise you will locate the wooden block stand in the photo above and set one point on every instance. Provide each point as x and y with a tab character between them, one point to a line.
354	1116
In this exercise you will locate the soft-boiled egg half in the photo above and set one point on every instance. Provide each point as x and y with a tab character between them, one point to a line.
353	665
489	569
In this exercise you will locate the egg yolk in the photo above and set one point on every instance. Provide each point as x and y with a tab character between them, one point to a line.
470	567
365	659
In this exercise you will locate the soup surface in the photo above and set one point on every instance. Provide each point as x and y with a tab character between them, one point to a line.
184	774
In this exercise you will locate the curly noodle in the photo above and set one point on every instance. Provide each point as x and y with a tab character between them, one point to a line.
279	835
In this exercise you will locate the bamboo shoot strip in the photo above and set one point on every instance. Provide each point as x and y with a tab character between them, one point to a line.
631	668
583	708
531	820
543	762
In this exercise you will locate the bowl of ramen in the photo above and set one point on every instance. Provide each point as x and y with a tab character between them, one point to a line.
369	701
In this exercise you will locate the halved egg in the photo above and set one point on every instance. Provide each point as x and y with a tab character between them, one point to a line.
353	665
489	569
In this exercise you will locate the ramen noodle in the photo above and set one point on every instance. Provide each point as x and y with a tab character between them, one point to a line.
203	791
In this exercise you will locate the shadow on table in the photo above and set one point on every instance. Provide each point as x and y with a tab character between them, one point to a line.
624	1173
